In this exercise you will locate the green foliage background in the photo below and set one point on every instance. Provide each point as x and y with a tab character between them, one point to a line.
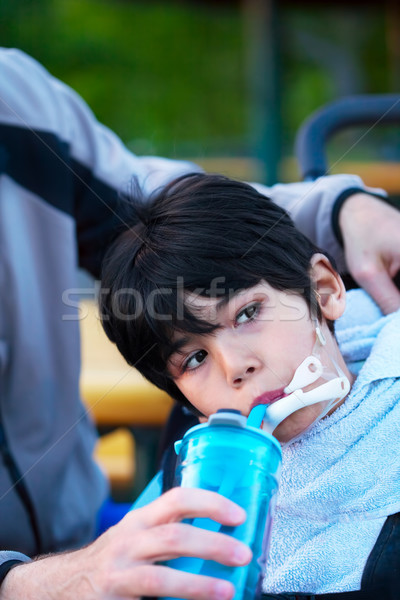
159	73
172	78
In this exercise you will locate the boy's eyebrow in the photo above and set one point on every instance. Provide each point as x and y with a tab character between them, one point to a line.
225	300
179	343
228	297
177	346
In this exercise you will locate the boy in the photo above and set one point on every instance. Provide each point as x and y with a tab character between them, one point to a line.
217	298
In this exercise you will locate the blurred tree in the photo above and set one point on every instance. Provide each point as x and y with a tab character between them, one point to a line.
161	73
170	76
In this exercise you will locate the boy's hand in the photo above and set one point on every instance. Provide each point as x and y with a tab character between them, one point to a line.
370	230
122	563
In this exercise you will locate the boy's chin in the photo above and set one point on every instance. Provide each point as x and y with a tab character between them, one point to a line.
297	423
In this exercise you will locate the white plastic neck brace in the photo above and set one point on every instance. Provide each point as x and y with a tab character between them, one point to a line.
309	371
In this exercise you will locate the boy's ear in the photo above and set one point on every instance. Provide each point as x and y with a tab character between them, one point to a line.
328	284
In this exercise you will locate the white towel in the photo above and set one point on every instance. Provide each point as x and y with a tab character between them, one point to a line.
342	479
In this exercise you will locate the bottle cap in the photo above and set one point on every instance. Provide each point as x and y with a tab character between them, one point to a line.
227	416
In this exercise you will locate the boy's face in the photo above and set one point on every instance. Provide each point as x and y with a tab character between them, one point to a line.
263	335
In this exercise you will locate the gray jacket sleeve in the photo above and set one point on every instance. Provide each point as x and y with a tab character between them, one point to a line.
6	555
310	205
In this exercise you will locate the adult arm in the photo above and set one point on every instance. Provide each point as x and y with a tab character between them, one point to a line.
57	149
124	562
67	144
54	147
311	206
355	224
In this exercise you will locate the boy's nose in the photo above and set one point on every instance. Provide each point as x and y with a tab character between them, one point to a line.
240	364
242	376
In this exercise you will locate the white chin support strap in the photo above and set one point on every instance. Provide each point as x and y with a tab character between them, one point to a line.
331	391
270	416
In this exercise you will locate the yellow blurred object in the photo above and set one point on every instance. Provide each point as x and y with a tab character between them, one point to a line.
115	393
115	453
376	174
381	174
384	175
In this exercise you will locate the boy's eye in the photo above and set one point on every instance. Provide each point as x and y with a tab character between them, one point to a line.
248	314
195	360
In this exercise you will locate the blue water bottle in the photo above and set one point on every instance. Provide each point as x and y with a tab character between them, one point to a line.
242	463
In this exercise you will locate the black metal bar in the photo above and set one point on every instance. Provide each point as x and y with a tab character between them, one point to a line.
347	112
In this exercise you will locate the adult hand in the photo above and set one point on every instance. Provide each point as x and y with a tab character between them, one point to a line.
121	564
370	230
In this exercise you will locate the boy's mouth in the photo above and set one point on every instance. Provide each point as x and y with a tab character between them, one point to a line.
269	397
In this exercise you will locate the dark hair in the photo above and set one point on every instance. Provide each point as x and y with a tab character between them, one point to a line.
196	229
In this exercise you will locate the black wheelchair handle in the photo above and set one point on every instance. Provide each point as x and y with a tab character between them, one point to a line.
372	109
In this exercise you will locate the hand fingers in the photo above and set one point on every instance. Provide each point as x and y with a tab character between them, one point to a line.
160	581
184	503
381	288
171	540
